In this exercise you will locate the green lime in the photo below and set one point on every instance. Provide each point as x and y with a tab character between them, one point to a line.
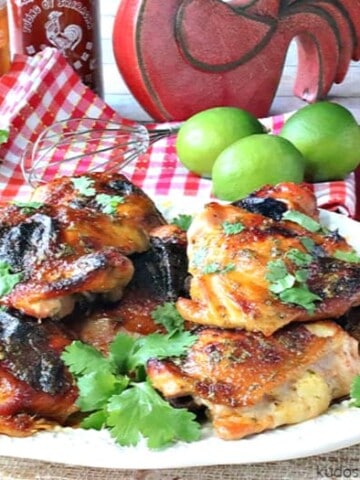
253	162
203	136
328	136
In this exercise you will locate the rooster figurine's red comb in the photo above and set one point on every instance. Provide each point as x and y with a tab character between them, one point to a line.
179	57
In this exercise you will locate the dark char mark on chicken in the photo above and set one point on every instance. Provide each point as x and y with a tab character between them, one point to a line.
269	207
163	268
28	242
26	352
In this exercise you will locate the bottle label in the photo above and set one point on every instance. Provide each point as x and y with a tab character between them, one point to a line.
69	26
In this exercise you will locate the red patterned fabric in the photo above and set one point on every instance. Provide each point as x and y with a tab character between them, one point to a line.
44	88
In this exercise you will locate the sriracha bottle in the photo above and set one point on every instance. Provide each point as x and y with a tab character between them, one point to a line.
71	26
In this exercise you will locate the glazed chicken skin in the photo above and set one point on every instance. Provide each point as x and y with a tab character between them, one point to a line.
36	390
242	255
58	259
250	383
137	212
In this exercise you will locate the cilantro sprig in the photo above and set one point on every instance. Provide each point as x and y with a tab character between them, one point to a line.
28	206
303	220
84	186
232	228
167	316
109	203
351	256
291	287
116	394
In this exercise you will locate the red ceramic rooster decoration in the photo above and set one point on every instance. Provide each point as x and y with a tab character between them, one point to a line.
182	56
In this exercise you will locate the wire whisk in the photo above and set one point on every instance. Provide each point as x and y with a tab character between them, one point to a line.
80	145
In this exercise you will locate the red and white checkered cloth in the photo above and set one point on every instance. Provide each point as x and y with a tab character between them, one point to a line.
42	89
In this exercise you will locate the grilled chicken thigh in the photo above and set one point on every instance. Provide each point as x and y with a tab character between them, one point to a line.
73	241
36	390
256	268
59	257
250	383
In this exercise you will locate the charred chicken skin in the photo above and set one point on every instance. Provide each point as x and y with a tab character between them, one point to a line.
273	201
250	383
242	256
36	390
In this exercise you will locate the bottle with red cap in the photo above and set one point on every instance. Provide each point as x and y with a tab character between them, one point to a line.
71	26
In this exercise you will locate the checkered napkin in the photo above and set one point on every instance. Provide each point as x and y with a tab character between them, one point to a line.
42	89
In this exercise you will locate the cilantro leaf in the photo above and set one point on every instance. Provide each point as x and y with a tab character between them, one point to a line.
351	257
302	275
125	412
96	420
160	346
182	221
96	387
276	270
172	424
84	186
133	414
303	220
355	391
308	244
167	316
232	228
27	208
120	350
299	258
292	288
27	205
109	203
8	279
82	359
283	284
301	296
